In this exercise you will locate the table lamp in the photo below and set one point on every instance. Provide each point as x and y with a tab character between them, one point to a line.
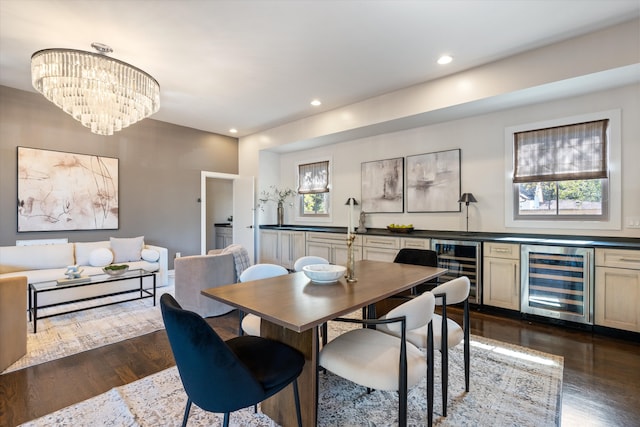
467	198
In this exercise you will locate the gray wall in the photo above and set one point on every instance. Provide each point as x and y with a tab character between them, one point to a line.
160	166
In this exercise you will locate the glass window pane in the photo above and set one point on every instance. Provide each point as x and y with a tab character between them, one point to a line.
315	204
562	198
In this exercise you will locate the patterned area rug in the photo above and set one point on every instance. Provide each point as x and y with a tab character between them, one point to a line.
510	386
72	333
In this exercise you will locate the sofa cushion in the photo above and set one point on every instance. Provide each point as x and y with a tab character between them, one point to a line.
127	249
83	250
100	257
35	257
150	255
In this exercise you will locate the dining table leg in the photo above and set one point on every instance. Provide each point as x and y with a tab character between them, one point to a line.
281	407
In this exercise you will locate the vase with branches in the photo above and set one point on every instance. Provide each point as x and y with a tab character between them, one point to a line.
275	194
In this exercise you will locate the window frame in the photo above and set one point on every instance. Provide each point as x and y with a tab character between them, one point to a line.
300	215
609	221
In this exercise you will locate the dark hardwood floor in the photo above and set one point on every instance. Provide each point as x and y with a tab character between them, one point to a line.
601	385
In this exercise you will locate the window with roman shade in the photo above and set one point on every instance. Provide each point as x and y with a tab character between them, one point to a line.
314	184
561	172
313	178
573	152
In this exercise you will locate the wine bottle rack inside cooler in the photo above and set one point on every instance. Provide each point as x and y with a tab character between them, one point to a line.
461	258
558	282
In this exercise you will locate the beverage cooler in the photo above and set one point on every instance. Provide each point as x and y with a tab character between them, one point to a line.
557	282
461	258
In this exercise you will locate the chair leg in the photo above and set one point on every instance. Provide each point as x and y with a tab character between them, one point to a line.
445	379
325	332
225	423
241	316
467	345
186	413
430	363
297	400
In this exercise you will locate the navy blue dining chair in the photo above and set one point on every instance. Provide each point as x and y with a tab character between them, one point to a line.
225	376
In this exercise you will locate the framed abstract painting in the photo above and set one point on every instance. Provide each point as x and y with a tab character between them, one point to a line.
383	186
66	191
433	182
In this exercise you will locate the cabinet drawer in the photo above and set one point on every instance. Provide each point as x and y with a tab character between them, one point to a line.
619	258
408	242
381	242
332	238
502	250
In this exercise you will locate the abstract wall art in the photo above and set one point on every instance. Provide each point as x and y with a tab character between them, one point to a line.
383	186
66	191
433	182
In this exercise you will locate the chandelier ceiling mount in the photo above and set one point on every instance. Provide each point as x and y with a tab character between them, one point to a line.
104	94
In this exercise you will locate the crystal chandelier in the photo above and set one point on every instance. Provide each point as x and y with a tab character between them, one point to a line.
102	93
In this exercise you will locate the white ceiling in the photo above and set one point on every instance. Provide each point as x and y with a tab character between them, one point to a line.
256	64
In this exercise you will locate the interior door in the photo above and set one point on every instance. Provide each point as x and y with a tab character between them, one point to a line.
244	214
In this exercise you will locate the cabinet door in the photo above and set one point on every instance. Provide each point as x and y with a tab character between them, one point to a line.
291	247
501	280
379	254
339	253
617	299
269	248
320	249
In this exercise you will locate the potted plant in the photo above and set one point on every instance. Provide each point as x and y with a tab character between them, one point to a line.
274	194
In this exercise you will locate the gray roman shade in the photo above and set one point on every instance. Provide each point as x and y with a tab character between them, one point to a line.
313	178
572	152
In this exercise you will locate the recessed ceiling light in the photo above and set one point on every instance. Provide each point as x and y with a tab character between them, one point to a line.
445	59
316	102
233	130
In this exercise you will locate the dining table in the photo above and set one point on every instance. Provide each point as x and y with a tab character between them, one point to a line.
292	307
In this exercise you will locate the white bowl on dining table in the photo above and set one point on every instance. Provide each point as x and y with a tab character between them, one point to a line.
324	273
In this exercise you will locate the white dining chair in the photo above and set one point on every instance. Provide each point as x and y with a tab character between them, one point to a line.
446	334
250	323
311	260
381	361
308	260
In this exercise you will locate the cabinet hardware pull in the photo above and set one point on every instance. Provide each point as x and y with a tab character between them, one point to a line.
630	259
502	251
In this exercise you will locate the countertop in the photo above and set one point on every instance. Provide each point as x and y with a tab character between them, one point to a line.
525	238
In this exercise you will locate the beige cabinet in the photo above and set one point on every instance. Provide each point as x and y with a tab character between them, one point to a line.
224	237
385	248
332	247
380	248
501	275
617	289
415	243
282	247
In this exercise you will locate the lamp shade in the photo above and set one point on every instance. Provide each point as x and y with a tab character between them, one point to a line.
467	198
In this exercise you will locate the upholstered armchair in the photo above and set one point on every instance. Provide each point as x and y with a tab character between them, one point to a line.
198	272
13	320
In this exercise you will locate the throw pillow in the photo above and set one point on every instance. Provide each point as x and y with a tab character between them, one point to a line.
127	249
84	250
100	257
150	255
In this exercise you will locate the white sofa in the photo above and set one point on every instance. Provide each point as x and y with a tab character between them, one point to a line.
49	262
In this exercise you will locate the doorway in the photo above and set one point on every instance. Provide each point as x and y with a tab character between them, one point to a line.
241	207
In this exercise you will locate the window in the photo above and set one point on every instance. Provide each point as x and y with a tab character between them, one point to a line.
313	188
561	172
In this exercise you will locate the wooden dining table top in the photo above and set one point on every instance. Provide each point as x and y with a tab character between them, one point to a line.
296	303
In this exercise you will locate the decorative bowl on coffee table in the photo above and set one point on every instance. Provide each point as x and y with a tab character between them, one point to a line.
116	270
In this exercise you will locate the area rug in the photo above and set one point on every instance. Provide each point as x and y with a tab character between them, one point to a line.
510	386
72	333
